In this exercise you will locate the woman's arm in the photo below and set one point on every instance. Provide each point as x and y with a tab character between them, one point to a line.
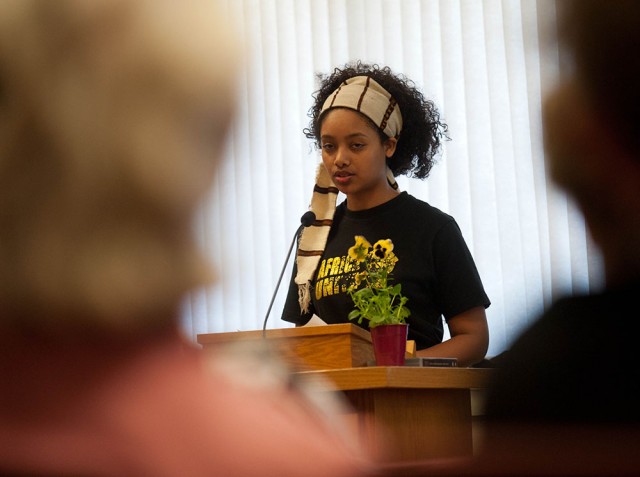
469	339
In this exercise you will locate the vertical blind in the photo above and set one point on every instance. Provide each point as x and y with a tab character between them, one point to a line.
485	64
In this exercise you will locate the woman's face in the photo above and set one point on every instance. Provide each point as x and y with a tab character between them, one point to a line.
355	157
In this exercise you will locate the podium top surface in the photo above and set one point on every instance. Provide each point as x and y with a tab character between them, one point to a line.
350	379
298	332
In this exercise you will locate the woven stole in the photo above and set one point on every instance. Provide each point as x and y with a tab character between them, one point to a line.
314	238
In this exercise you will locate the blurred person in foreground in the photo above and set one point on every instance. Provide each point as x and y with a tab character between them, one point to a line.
113	115
566	398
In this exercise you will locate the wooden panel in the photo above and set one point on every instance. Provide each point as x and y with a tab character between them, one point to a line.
308	348
413	413
415	423
405	377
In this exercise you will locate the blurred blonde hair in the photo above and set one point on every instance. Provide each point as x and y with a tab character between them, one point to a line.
113	115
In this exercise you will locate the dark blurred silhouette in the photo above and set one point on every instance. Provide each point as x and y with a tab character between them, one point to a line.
565	399
577	363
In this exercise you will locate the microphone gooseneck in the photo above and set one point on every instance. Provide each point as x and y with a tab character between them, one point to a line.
307	219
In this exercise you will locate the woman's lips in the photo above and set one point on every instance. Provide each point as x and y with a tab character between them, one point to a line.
342	177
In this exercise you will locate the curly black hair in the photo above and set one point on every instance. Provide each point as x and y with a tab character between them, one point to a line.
422	130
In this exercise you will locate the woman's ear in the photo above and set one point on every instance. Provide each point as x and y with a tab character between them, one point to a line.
390	146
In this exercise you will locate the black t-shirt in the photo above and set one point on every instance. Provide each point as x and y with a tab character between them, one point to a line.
435	268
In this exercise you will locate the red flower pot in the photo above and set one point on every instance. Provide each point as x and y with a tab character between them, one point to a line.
390	344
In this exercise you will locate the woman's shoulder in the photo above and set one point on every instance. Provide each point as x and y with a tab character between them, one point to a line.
403	208
413	205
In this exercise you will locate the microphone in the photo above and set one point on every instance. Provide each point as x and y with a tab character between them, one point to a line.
305	221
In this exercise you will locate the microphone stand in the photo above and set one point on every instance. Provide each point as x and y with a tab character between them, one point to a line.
307	219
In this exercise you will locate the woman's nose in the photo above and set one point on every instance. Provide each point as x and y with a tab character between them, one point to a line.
341	158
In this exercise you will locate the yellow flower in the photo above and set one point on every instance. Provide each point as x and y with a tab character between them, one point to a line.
382	248
360	250
375	299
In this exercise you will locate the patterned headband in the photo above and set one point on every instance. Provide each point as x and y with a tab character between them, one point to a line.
365	95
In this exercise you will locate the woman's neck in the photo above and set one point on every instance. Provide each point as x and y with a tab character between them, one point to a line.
356	202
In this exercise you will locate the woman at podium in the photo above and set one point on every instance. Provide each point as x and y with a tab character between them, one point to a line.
372	125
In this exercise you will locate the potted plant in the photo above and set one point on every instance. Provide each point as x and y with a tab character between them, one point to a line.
377	300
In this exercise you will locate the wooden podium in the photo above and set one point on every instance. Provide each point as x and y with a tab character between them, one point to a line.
424	412
307	348
419	412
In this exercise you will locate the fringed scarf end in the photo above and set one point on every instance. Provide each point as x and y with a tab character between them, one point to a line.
304	297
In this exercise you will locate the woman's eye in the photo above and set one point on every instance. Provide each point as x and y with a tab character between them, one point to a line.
357	146
327	147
